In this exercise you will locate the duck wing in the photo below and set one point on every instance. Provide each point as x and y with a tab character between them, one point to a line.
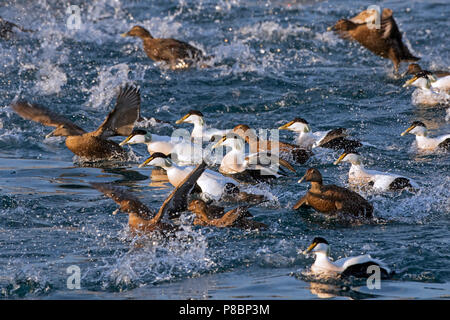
43	115
121	119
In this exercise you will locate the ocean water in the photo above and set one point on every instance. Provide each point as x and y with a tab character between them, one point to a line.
273	61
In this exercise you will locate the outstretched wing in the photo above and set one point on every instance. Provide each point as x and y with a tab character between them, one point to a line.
177	200
128	202
121	119
43	115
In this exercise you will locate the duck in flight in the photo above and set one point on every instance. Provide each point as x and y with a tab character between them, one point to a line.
143	219
425	143
358	266
91	146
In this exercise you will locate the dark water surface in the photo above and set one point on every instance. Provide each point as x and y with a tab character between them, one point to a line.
274	61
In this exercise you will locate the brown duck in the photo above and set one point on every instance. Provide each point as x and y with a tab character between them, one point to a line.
331	199
143	219
256	144
385	41
208	215
178	54
414	69
94	145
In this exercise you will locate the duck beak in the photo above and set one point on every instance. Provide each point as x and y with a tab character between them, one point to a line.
143	164
407	130
312	246
124	34
124	142
340	158
50	134
219	142
410	81
182	119
286	126
302	178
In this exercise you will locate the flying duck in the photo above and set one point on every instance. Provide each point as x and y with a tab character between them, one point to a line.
143	219
257	144
177	54
332	139
384	40
331	199
379	181
91	146
237	218
423	142
358	266
200	132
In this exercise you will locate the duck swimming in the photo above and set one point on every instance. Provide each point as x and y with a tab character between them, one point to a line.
385	41
200	132
431	90
332	139
207	215
257	144
177	54
379	181
423	142
180	150
254	167
143	219
92	146
357	266
331	199
214	186
414	69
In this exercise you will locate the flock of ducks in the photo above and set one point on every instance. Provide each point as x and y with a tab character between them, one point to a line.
199	188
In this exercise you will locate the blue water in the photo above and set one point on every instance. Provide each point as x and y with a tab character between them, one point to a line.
274	61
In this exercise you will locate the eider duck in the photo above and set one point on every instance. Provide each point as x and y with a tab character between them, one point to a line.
257	144
423	142
431	90
251	168
214	186
178	54
414	69
385	41
6	29
94	145
216	216
180	150
379	181
143	219
357	266
200	132
332	139
331	199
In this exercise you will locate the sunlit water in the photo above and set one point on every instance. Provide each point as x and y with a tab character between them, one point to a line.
274	61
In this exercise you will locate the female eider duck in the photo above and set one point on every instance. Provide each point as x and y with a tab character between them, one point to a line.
143	219
379	181
385	41
332	139
178	54
414	69
214	186
431	90
423	142
94	145
257	144
200	132
6	29
331	199
254	167
208	215
181	151
357	266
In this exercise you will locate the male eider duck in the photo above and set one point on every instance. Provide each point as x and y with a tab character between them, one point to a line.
423	142
331	199
143	219
414	69
357	266
379	181
431	90
257	144
178	54
385	41
6	29
94	145
182	151
254	167
214	186
332	139
235	218
200	132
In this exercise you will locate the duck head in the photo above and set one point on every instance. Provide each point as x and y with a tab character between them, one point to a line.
318	245
193	116
422	79
352	157
417	128
157	159
138	31
137	136
297	125
312	175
